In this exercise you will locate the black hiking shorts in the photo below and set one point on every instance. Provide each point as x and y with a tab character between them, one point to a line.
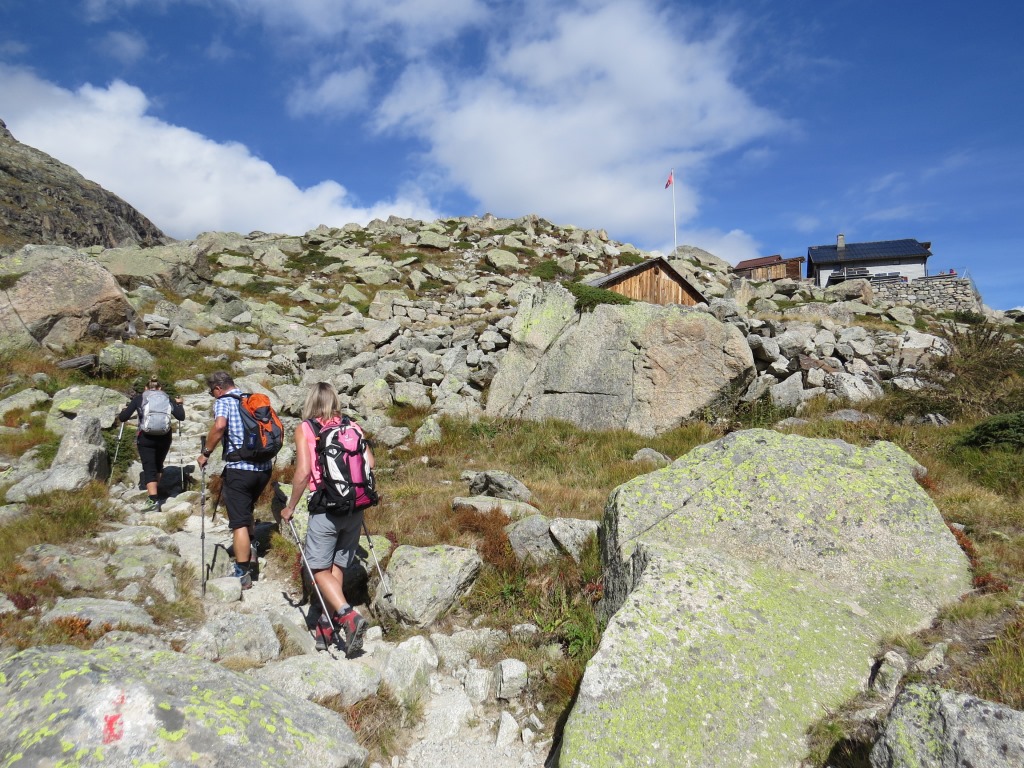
241	490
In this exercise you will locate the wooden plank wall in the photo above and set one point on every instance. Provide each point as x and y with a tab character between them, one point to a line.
655	287
788	268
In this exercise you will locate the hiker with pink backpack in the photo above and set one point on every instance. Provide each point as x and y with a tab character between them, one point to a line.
334	461
153	438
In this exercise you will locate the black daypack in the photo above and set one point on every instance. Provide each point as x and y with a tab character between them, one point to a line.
347	483
262	432
155	412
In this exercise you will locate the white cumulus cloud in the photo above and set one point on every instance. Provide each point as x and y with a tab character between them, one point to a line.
184	182
580	119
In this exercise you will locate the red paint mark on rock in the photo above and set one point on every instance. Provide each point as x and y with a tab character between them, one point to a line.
113	728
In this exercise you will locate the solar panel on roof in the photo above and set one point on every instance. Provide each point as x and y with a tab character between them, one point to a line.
884	249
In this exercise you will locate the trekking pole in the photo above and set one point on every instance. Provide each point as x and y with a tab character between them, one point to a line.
181	457
202	515
312	579
383	582
117	448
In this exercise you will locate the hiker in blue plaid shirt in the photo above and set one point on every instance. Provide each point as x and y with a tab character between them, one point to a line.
242	481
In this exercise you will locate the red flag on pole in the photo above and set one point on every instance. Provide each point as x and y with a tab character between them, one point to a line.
670	176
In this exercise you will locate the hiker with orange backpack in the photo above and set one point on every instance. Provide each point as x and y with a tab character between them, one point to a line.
334	461
251	435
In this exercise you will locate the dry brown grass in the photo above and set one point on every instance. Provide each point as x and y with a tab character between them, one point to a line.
377	722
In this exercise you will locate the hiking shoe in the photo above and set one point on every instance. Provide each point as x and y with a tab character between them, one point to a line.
242	574
324	635
354	627
151	505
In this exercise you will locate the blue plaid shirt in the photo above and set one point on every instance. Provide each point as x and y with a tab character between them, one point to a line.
227	407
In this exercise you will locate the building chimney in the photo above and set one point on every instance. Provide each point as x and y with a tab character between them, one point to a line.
840	242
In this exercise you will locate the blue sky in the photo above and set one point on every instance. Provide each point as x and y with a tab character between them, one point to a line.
786	121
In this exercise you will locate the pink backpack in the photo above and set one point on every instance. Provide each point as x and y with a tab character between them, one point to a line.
346	478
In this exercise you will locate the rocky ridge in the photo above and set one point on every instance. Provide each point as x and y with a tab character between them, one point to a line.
42	200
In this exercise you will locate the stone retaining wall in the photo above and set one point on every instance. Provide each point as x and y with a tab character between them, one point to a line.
943	293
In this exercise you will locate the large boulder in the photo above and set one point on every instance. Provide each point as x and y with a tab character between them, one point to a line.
182	267
932	728
55	296
426	582
123	705
641	367
81	458
81	400
749	585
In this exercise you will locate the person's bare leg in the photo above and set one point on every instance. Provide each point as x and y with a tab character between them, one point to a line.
151	487
240	539
330	583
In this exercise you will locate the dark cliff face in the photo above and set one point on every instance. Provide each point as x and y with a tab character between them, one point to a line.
43	201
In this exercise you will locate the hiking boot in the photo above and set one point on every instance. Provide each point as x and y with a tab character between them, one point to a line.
242	574
354	627
324	635
151	505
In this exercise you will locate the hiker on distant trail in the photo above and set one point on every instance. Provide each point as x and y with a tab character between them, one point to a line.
331	537
242	481
153	438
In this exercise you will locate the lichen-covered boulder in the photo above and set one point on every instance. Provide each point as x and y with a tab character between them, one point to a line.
120	359
319	677
124	705
183	267
55	296
932	728
750	583
99	612
84	399
425	582
641	367
81	458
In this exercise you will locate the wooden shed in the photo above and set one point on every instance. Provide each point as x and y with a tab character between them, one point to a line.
654	281
770	268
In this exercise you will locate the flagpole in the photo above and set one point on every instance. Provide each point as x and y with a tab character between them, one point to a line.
675	230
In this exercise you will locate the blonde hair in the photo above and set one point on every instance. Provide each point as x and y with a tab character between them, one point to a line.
321	402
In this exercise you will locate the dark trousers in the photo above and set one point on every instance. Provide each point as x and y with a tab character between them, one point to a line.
153	450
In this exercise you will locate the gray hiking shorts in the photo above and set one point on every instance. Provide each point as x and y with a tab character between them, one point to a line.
332	539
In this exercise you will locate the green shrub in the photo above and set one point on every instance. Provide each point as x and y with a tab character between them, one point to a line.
313	258
588	297
630	259
967	317
761	413
7	281
1004	429
547	270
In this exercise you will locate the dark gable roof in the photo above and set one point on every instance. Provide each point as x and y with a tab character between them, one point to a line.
621	274
883	249
762	261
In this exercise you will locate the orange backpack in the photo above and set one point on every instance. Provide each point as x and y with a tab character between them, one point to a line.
262	433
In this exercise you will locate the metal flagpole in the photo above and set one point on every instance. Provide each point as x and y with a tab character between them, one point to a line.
672	183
